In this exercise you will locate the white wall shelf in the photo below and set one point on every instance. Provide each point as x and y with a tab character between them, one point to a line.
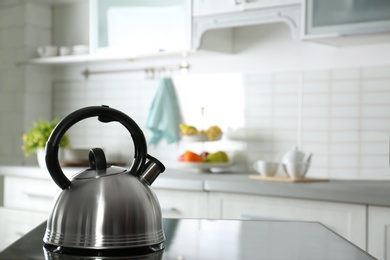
102	57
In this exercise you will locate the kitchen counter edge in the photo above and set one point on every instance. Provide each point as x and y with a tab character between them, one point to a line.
366	192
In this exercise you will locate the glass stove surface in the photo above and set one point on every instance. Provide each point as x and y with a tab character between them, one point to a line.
222	239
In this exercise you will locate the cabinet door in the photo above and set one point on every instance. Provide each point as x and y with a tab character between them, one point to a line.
347	220
347	17
379	232
139	26
182	204
16	223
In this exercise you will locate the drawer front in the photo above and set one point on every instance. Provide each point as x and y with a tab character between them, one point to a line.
182	204
16	223
348	220
31	194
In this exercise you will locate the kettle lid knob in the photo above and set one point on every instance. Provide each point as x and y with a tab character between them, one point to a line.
97	159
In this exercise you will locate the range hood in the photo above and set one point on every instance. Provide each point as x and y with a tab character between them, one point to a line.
220	26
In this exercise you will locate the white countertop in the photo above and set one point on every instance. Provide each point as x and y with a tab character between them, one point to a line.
347	191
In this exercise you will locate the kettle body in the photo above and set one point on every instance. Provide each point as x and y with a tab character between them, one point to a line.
104	207
105	212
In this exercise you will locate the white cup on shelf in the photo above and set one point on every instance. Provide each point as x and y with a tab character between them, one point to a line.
47	51
65	50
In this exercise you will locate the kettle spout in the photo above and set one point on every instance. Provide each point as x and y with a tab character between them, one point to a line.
153	168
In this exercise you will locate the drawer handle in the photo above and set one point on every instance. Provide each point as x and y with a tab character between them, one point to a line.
19	233
170	210
39	196
256	217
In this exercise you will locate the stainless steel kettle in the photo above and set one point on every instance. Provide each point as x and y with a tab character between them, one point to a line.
104	207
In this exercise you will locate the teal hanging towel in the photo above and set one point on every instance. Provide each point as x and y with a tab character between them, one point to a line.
164	115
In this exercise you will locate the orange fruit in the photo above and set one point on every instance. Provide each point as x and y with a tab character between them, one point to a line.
189	156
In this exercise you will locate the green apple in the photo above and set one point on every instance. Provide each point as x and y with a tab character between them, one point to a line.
217	157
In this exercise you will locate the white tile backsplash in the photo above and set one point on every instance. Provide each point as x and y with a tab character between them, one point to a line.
286	88
376	163
376	72
315	87
316	111
345	86
344	124
344	136
315	136
344	173
343	161
315	75
375	85
376	98
318	124
318	99
352	73
382	125
286	76
345	99
342	111
286	100
344	119
342	116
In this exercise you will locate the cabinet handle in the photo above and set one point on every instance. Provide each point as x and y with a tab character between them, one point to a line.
39	196
170	210
256	217
19	233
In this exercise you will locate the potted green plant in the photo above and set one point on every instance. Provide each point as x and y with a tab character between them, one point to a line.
35	139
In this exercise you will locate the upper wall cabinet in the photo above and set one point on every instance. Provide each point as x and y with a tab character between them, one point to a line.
140	26
335	21
214	19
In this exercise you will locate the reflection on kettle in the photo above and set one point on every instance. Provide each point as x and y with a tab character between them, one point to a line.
105	209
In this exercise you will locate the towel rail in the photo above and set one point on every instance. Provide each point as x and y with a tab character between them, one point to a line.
183	67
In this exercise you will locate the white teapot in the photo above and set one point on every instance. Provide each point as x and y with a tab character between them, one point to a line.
296	156
296	163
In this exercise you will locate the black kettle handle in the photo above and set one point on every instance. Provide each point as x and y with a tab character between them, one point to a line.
105	114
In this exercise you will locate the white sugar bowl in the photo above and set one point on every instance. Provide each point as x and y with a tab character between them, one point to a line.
265	168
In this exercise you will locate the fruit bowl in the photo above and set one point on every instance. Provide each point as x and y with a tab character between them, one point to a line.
204	166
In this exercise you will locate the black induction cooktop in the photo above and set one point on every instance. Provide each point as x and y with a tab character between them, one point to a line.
198	239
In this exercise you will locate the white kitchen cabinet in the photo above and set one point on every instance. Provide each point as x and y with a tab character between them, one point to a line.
213	7
379	232
347	220
26	204
29	194
182	204
120	30
16	223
